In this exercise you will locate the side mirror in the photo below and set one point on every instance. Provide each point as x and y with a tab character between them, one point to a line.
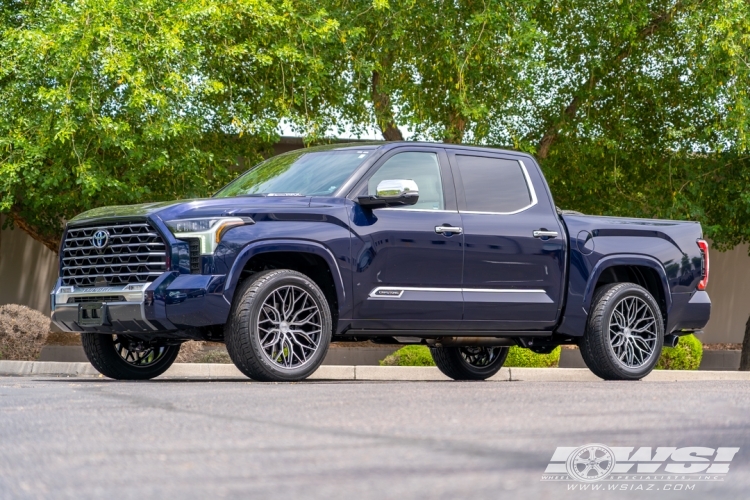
392	193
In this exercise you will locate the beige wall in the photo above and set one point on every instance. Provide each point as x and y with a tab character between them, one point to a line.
28	270
729	289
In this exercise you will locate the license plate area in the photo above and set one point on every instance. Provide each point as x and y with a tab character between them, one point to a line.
91	313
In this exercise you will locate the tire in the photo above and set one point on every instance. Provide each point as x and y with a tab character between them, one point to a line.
469	363
618	345
126	358
262	341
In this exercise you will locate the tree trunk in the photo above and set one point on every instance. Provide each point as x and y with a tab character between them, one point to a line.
383	112
51	243
745	356
454	132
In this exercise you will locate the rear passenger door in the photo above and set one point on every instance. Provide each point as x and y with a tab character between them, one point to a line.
513	277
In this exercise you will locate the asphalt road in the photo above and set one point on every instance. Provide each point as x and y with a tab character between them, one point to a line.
94	438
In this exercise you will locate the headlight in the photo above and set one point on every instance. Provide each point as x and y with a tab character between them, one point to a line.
208	229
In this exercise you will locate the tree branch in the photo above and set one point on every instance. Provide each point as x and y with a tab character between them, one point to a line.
657	22
51	243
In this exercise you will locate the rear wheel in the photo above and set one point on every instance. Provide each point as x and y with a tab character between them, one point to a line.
625	333
123	357
280	327
469	363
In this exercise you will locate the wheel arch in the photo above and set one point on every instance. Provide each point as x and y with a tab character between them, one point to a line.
639	269
308	257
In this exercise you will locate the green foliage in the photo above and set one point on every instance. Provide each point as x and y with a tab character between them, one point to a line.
526	358
635	108
109	102
419	355
686	355
410	355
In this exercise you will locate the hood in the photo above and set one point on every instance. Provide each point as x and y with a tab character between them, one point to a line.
201	207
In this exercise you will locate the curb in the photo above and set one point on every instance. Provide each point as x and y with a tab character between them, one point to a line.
373	373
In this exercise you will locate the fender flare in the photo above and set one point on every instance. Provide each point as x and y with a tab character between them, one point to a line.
626	260
283	245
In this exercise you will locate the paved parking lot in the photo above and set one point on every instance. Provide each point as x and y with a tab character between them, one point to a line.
94	438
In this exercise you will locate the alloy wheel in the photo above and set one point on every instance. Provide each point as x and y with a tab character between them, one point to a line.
480	356
633	332
289	327
137	352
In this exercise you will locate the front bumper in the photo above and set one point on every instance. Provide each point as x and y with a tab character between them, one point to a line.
171	303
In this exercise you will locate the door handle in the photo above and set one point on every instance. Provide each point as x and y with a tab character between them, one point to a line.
448	229
543	233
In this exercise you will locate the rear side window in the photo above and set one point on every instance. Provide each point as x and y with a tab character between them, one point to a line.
493	184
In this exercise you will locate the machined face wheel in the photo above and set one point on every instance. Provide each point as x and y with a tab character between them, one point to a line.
289	327
480	356
633	332
137	352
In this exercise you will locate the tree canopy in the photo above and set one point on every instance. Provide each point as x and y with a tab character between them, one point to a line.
633	108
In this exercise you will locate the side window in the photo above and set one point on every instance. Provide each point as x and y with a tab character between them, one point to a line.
492	184
421	167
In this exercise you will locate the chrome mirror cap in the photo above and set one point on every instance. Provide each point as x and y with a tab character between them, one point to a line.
397	188
392	193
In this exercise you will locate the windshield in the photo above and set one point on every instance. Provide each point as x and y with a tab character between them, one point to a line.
302	173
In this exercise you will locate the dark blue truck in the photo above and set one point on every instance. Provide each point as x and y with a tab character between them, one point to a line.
459	248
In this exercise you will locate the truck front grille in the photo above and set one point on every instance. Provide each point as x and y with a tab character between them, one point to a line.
113	254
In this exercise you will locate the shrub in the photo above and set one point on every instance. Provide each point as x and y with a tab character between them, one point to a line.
686	355
23	332
520	357
190	352
410	355
419	355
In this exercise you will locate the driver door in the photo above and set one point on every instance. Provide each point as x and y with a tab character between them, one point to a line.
407	262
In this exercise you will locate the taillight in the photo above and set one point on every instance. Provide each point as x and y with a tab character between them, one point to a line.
703	283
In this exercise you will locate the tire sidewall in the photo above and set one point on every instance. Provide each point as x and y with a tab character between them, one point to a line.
101	352
614	300
266	289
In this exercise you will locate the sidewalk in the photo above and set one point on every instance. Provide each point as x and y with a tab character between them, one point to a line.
210	371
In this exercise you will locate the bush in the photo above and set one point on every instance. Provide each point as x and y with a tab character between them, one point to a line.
520	357
196	351
190	352
686	355
419	355
410	355
23	332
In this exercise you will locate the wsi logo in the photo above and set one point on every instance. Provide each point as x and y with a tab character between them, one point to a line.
597	462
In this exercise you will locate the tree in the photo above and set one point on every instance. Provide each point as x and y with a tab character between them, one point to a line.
115	102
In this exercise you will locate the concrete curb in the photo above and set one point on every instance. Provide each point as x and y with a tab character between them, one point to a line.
344	372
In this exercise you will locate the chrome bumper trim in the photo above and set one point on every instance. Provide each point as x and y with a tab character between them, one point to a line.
131	293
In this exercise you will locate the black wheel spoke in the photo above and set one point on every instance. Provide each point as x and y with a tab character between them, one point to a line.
137	352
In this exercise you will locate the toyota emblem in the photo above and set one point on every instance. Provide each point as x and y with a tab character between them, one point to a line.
100	240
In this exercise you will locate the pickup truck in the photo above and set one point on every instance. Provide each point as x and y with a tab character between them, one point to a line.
455	247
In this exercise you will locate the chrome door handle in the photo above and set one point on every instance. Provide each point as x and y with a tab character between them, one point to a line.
448	229
545	234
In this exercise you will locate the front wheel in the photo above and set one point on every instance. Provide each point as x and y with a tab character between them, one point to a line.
280	327
624	334
123	357
469	363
